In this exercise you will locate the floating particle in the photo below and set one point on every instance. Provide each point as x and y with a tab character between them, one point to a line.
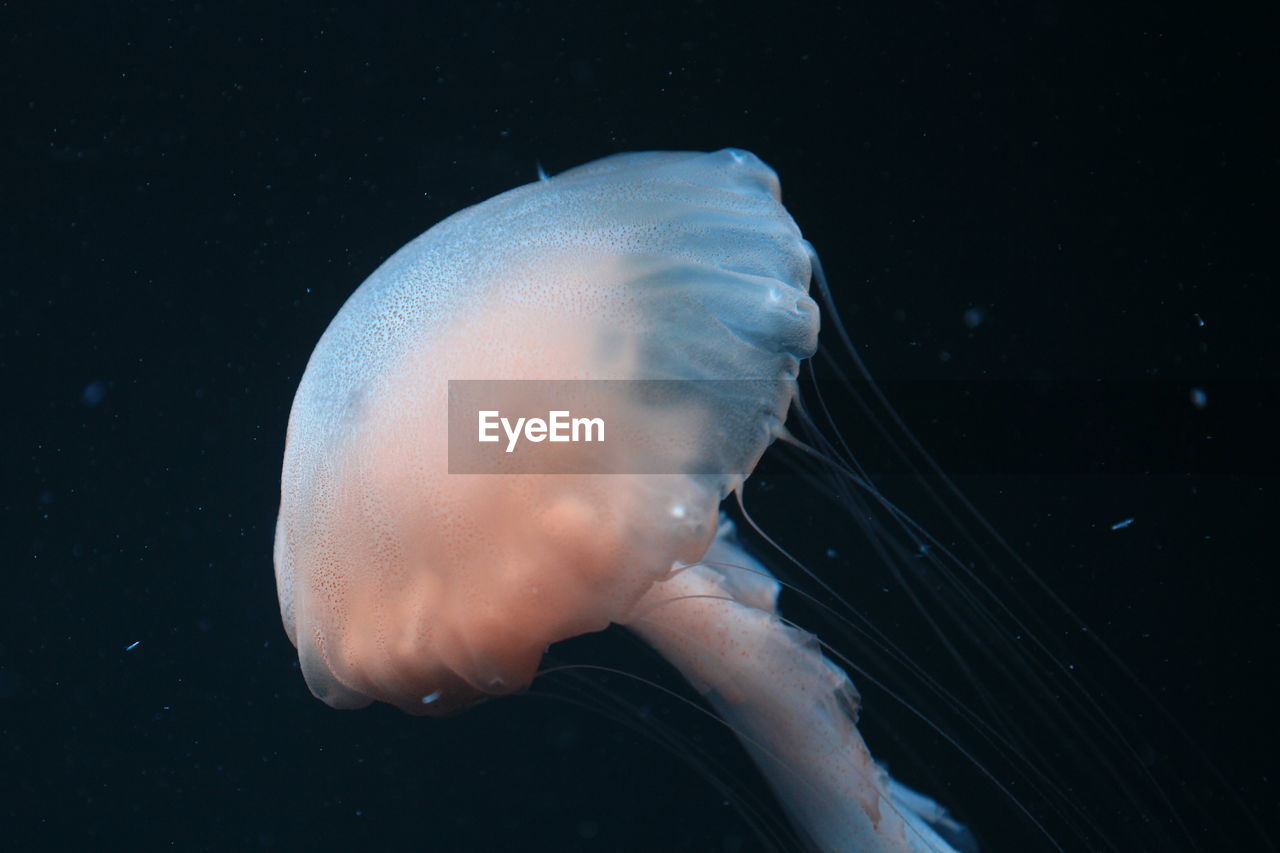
94	393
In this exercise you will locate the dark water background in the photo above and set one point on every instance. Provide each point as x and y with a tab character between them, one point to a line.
191	191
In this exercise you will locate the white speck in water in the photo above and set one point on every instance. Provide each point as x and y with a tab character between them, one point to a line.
1120	525
1199	399
432	696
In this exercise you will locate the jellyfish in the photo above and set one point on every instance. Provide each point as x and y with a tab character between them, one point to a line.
406	578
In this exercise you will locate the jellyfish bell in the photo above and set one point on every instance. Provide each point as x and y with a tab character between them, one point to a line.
407	578
598	274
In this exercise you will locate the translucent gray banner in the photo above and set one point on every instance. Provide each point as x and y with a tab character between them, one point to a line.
704	427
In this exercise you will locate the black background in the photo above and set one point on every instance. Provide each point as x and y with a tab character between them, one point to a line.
191	191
